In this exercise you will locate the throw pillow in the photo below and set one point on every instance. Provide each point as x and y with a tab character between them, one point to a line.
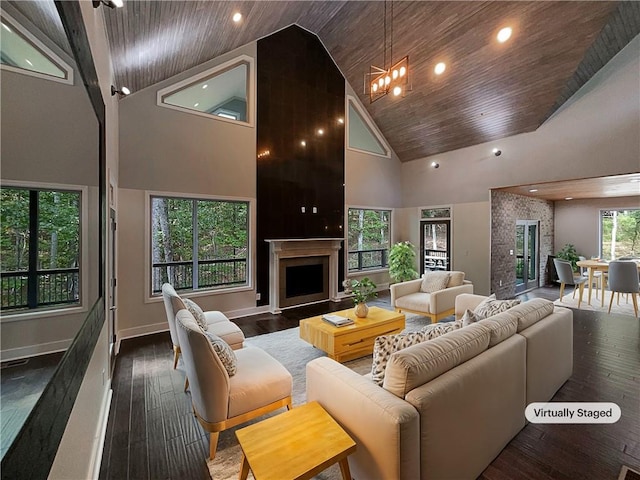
455	279
490	306
197	312
385	345
470	317
224	353
434	281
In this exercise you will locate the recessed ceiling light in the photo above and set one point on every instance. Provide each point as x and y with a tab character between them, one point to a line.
303	143
533	190
320	131
568	198
341	121
504	34
237	17
440	68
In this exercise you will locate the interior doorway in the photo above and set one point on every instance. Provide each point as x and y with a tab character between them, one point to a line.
527	255
111	319
435	245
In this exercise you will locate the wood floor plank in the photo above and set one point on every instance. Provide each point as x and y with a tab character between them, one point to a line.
139	469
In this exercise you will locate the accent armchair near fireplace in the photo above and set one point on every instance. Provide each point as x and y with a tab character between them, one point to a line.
425	297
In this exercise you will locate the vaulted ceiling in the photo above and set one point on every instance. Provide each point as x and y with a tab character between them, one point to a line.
488	91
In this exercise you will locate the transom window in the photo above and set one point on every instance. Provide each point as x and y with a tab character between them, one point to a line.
368	238
39	247
22	52
620	234
223	92
198	244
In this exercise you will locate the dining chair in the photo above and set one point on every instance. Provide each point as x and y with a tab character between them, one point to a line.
565	274
623	278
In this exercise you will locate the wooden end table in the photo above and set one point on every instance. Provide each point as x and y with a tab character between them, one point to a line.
297	444
353	341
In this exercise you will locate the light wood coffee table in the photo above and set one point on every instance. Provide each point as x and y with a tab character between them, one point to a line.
297	444
353	341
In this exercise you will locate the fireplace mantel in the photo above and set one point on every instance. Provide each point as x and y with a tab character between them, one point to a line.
300	248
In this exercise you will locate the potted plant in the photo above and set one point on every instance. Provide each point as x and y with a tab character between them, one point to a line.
362	290
570	254
402	260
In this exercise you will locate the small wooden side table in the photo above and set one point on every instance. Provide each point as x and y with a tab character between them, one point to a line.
297	444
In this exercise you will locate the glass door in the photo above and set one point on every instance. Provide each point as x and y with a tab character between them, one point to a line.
526	255
435	245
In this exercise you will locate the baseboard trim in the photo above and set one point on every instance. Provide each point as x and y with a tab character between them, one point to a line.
34	350
246	312
142	331
102	433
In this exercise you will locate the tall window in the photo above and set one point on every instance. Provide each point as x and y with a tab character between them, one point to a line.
369	238
620	234
39	247
198	244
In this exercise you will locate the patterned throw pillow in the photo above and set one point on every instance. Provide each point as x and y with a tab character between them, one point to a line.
490	306
385	345
434	281
470	317
224	352
197	313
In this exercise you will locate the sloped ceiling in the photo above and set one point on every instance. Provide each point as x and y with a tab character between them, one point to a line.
488	91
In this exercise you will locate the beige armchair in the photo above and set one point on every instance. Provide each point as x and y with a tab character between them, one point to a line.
217	322
409	297
260	385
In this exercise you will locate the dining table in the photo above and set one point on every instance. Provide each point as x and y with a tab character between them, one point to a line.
593	266
596	266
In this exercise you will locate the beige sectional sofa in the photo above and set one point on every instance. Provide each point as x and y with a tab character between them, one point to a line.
448	406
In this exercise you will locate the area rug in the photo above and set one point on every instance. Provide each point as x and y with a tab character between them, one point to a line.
624	306
294	353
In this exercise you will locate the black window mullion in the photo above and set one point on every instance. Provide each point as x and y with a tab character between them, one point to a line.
194	253
32	278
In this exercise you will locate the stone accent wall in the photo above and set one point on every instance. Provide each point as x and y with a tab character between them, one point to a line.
506	209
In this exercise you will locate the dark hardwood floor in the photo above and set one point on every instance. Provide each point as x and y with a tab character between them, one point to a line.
152	434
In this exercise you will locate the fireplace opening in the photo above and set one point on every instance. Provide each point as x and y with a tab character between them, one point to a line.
303	280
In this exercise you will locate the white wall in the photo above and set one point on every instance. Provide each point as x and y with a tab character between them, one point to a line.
594	134
578	222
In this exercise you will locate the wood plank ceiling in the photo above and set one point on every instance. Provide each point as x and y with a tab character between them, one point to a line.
488	91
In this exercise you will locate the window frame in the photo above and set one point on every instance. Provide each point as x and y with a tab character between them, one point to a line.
149	296
368	123
212	73
83	272
358	273
43	49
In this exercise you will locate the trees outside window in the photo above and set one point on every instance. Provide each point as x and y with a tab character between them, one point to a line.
620	234
198	244
39	247
369	238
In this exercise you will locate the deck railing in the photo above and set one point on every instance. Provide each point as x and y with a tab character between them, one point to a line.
367	259
210	274
54	287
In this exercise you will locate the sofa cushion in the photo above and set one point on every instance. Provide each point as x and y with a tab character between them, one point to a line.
502	326
490	306
417	302
417	365
197	312
434	281
532	311
385	345
455	279
224	352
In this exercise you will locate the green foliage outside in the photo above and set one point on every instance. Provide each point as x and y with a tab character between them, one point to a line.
626	242
368	230
402	259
